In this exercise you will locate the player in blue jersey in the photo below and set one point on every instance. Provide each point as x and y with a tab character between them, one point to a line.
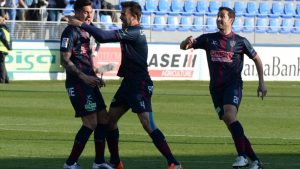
82	86
225	56
136	88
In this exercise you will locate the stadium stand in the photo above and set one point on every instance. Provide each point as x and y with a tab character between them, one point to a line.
237	25
106	22
263	9
172	23
239	8
226	3
274	25
197	24
288	10
211	25
188	8
149	7
185	24
248	25
146	21
162	7
296	26
158	23
251	9
213	8
175	8
276	10
297	11
286	25
201	8
261	25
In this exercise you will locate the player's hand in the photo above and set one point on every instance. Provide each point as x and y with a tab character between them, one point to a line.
187	43
91	80
101	82
72	20
261	90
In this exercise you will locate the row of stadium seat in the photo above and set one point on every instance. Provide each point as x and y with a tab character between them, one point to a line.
273	8
208	24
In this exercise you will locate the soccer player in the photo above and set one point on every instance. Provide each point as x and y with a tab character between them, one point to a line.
136	88
82	86
225	55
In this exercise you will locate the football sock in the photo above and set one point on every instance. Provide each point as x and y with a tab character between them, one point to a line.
81	139
99	140
249	151
161	144
238	136
112	138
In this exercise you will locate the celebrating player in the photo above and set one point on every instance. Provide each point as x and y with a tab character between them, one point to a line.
82	86
225	55
136	88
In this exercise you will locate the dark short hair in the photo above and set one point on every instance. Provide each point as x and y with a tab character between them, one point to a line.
134	7
79	4
231	13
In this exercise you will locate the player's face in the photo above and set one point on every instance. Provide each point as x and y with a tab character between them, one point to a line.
85	15
126	17
223	20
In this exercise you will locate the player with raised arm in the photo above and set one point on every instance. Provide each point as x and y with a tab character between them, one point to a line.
136	88
82	86
225	56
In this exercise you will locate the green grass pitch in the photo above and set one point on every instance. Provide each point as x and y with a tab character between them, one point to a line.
37	126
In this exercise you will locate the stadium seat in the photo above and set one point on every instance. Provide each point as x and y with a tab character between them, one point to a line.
213	8
297	11
175	7
286	25
201	8
251	9
188	8
106	22
146	21
172	23
296	26
239	8
276	9
185	23
248	25
150	7
211	24
141	2
197	24
263	9
237	25
226	3
159	23
261	25
288	10
274	25
162	7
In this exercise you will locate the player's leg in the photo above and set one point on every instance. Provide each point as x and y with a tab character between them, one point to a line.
158	138
2	68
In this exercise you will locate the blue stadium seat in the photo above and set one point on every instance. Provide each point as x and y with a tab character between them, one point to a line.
172	23
150	7
248	25
197	24
263	9
106	21
274	25
286	25
211	24
213	8
162	7
288	10
201	8
276	9
141	2
146	21
226	3
185	23
188	8
297	11
175	7
237	25
159	23
296	26
239	8
261	25
251	9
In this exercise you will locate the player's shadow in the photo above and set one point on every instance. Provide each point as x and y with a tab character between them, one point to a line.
271	161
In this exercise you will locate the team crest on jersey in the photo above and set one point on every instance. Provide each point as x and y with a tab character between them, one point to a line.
232	43
64	42
89	105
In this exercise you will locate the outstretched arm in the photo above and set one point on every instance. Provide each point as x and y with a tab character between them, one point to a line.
262	90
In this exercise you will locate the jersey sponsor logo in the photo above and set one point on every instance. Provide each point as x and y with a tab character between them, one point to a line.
89	105
236	100
64	42
221	56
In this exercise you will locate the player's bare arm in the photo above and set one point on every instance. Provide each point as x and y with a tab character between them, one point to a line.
72	69
187	43
262	90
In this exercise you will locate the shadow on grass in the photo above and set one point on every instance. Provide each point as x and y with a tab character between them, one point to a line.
271	161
